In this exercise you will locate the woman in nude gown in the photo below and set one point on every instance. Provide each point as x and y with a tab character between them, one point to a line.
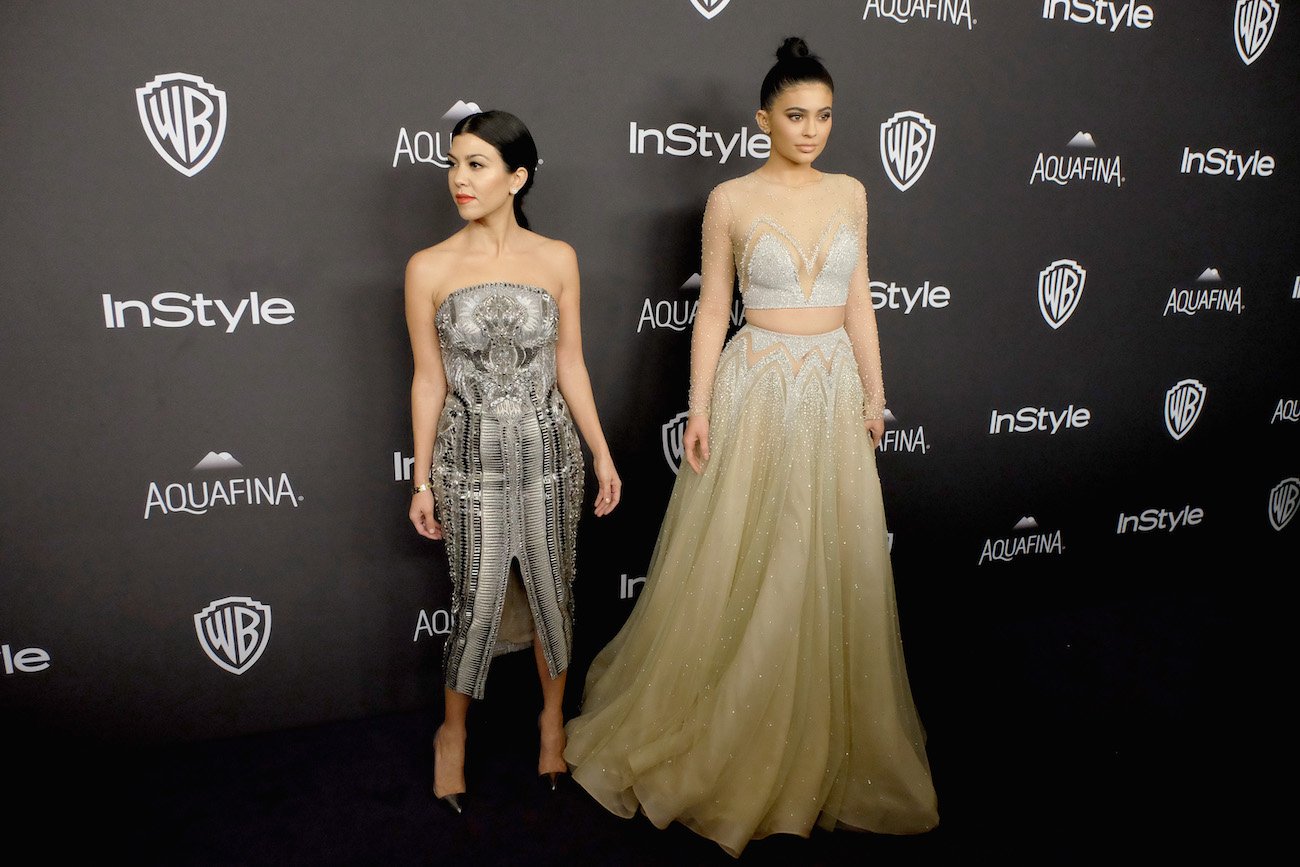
759	686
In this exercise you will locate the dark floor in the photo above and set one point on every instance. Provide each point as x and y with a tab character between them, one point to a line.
1100	735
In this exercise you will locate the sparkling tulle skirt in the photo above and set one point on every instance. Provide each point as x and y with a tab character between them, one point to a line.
758	686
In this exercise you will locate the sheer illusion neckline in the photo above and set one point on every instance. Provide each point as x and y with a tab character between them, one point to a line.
821	176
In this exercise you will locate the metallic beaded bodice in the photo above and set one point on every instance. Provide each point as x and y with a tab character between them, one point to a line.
770	278
498	346
794	246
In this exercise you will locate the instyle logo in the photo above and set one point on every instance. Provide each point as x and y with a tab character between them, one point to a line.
1287	410
1252	27
197	497
403	467
679	314
1076	164
423	146
709	8
1283	501
1205	296
431	623
891	296
901	439
673	434
1060	286
184	118
906	143
1183	405
628	587
234	631
903	11
1028	541
1035	419
1226	161
178	310
1149	520
1111	14
26	660
688	140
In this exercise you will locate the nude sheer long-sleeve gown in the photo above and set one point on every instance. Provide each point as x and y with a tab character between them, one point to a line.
759	685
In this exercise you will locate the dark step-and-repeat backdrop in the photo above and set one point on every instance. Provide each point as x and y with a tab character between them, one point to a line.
1083	260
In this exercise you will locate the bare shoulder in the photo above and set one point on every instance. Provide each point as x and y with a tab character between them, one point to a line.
558	255
432	264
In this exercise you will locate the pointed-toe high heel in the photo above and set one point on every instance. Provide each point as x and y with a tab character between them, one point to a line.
552	777
453	801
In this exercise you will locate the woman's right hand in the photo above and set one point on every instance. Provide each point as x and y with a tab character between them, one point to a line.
696	438
422	516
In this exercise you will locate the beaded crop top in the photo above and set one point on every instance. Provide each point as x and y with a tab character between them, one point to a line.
791	247
794	247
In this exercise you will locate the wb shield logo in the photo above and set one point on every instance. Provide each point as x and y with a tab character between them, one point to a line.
709	8
674	433
234	631
185	119
1183	405
906	142
1060	286
1252	27
1283	501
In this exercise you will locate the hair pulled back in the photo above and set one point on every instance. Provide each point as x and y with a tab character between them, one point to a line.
795	64
513	141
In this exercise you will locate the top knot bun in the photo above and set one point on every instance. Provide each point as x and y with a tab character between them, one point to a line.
795	64
793	47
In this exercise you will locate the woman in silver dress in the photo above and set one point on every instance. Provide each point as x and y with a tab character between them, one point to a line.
493	315
758	686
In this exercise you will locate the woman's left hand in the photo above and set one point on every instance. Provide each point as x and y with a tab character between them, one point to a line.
876	430
611	486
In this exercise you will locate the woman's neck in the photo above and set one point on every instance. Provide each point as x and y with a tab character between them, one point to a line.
492	233
791	174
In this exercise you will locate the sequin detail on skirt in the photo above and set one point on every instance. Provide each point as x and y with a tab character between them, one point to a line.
507	475
759	685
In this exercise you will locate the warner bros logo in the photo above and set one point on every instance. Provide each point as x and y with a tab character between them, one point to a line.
1183	404
906	142
1252	27
1060	286
674	436
234	631
1283	501
184	118
709	8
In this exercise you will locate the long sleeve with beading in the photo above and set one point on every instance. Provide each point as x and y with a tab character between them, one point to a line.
860	319
717	278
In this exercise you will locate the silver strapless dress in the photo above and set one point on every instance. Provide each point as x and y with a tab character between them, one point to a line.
507	476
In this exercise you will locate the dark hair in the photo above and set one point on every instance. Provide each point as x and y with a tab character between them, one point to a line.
795	64
513	141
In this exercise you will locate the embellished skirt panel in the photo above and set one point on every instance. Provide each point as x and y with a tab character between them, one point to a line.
508	487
